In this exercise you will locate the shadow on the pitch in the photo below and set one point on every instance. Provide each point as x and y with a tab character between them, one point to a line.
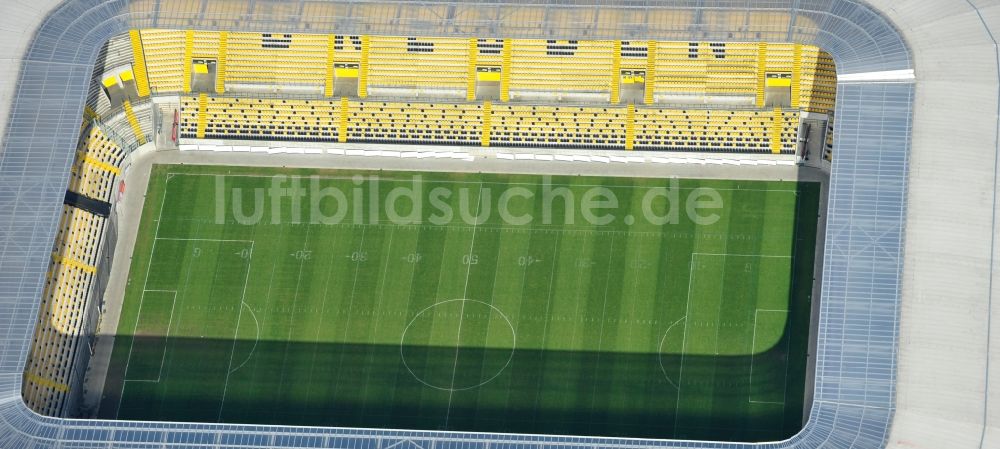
533	391
753	397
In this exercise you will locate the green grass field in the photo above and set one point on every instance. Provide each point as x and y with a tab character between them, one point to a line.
632	328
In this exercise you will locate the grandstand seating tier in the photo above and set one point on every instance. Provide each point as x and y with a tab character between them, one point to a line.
510	124
559	67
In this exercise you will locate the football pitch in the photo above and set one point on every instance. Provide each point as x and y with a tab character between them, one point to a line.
473	302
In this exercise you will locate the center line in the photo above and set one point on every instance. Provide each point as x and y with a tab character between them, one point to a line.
461	313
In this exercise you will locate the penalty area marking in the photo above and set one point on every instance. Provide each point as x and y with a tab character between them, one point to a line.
687	313
149	264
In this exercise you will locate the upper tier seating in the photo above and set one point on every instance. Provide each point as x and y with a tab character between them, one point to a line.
276	59
164	52
581	71
557	66
429	63
702	68
819	81
96	166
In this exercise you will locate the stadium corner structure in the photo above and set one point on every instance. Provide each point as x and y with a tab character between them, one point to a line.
903	348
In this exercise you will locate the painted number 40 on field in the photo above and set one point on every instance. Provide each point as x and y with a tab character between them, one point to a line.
527	261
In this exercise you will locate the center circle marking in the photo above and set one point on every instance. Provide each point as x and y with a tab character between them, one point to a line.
470	309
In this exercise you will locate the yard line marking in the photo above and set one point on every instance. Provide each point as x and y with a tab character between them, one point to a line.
291	312
548	305
232	350
461	313
604	308
378	306
489	321
635	288
149	265
322	311
718	312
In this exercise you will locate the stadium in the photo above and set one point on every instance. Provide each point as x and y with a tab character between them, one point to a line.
379	224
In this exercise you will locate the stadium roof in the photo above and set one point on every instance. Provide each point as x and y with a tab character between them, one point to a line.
904	348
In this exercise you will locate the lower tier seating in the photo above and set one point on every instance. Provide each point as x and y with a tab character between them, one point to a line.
60	327
487	124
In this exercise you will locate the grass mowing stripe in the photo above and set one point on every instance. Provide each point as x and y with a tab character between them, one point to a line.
352	334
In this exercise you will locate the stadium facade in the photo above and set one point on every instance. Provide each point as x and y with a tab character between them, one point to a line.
859	346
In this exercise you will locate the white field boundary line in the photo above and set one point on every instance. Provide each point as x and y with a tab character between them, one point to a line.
741	255
173	304
753	351
149	265
239	317
447	181
203	145
461	313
